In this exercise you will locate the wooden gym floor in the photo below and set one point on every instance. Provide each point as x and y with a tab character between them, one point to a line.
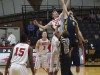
83	71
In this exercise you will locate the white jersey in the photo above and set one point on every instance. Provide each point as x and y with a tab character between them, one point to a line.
58	21
43	47
20	54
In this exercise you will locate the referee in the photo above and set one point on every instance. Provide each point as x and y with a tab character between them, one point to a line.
65	60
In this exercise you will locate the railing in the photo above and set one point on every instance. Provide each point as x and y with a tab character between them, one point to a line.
27	9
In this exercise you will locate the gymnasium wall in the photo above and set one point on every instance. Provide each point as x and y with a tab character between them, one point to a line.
15	24
14	6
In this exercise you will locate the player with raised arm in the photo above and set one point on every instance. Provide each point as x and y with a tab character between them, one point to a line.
42	49
71	25
75	57
18	58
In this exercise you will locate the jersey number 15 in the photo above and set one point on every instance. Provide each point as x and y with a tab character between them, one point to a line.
19	51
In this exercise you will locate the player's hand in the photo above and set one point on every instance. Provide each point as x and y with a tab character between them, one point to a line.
85	41
70	54
35	22
6	72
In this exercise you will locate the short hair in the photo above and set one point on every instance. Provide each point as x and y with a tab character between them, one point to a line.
53	11
23	37
44	31
65	34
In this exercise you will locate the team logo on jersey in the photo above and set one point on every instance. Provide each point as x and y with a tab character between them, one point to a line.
65	26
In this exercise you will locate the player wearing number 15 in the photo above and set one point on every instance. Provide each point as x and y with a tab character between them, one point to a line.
42	49
18	57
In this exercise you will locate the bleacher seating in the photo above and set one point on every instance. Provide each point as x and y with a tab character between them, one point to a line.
89	30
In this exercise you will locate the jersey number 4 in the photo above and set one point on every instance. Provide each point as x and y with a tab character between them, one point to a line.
20	52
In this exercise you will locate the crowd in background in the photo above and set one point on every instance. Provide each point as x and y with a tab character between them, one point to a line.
34	31
92	17
8	41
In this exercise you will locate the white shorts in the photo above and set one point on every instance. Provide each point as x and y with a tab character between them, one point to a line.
17	69
54	44
43	60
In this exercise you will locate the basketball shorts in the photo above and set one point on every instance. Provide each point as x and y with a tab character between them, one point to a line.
17	69
43	60
54	45
75	58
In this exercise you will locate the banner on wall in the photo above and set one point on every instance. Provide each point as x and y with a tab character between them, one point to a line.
5	52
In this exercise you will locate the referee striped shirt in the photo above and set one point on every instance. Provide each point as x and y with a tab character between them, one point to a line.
64	45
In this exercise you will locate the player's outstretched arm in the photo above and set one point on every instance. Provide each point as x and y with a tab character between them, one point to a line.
80	34
65	12
57	33
37	47
30	57
67	3
8	62
41	26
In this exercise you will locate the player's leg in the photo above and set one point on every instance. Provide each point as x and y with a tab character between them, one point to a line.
57	55
45	64
35	70
57	65
54	51
76	61
51	63
17	69
37	63
23	70
65	62
12	70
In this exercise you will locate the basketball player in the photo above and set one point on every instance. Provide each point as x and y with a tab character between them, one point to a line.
18	58
42	49
65	60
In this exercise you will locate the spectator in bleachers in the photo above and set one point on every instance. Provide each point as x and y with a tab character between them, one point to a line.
96	45
31	29
92	16
98	16
4	40
11	39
